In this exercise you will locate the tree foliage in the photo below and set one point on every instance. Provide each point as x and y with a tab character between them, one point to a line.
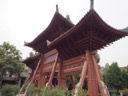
113	76
9	90
46	91
124	78
10	64
97	57
31	54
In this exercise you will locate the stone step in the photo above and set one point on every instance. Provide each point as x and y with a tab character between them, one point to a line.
20	95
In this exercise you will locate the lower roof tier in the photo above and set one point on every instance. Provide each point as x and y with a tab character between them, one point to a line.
32	62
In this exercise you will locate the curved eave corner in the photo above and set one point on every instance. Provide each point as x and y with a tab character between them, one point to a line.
27	44
125	30
108	27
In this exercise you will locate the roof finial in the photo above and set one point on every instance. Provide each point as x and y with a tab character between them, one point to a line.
91	4
68	17
57	9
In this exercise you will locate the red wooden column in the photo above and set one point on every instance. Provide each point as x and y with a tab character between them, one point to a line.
60	74
41	81
102	87
61	80
92	76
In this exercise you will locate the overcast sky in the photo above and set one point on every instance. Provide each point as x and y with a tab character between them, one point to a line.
24	20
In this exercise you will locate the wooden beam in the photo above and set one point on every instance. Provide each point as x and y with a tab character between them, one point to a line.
99	40
73	69
74	58
50	53
73	62
48	62
48	69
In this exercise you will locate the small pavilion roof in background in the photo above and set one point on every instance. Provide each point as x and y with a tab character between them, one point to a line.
58	26
32	62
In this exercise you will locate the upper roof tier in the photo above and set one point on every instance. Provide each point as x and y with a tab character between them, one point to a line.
91	33
57	27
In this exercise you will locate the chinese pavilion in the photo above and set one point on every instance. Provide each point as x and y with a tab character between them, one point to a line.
66	49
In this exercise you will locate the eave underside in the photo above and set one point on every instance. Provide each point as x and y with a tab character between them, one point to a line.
90	37
91	33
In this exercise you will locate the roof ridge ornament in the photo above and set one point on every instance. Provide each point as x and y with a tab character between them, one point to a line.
48	42
91	4
57	9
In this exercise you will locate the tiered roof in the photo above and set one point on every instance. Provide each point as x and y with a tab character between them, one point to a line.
91	33
58	26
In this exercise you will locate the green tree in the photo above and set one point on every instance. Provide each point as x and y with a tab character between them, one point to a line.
97	57
124	78
105	70
10	64
9	90
31	54
112	76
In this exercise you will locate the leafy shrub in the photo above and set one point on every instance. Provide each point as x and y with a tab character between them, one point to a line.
9	90
46	91
81	92
113	92
33	90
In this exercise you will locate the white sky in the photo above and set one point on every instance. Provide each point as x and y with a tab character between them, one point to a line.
24	20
